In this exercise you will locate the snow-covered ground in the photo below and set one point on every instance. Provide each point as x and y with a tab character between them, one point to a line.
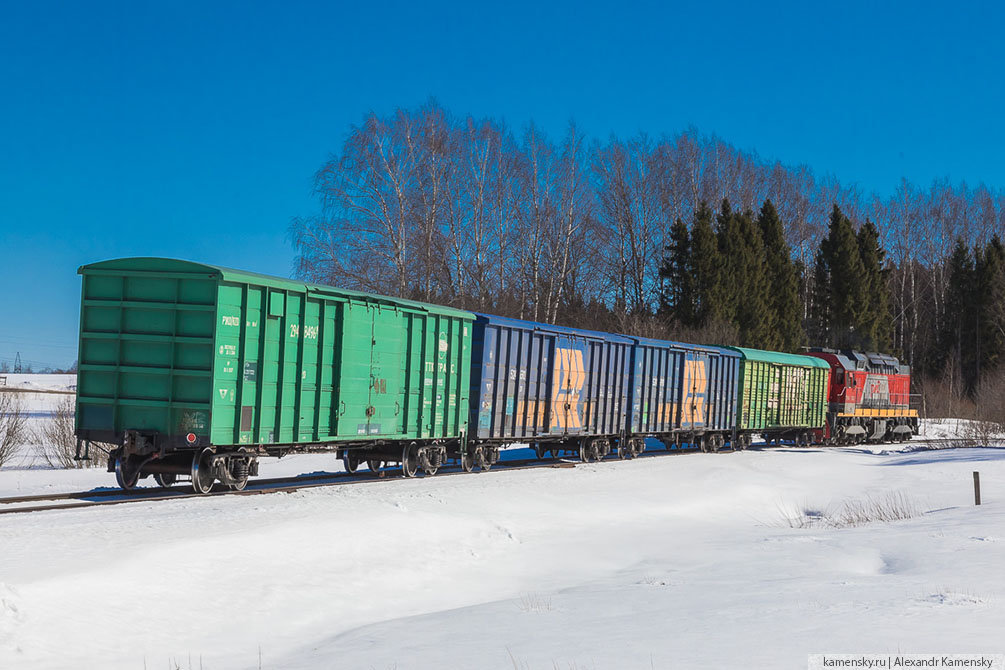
671	561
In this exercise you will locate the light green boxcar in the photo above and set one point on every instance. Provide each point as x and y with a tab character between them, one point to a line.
781	395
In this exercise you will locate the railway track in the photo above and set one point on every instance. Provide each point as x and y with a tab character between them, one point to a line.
154	492
102	497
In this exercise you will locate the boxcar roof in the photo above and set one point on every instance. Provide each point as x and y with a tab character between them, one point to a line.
173	266
725	351
784	359
533	325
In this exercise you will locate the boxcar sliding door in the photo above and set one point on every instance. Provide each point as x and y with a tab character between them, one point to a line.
371	380
695	387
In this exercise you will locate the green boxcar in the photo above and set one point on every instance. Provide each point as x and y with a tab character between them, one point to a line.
186	355
781	395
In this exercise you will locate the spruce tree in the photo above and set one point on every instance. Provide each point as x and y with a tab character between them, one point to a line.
874	323
754	317
845	281
782	280
704	267
678	282
957	335
990	306
731	245
820	301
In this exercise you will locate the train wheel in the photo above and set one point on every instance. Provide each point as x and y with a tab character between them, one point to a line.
584	452
350	462
409	460
374	464
539	451
127	474
202	471
467	461
165	479
624	449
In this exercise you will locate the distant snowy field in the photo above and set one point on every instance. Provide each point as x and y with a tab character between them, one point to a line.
672	561
50	391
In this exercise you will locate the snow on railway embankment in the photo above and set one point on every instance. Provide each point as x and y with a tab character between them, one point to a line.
751	559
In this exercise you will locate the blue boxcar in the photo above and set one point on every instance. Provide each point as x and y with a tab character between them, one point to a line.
683	388
543	383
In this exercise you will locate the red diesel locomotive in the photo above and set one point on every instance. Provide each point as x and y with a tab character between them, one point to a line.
869	398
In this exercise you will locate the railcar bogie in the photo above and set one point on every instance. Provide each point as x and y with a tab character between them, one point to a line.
594	449
486	456
631	447
431	458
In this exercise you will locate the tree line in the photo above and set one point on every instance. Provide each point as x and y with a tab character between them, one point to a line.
680	236
740	278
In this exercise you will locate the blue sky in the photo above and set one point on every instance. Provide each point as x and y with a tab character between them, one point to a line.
193	129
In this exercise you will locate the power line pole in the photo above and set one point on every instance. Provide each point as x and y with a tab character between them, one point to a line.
17	363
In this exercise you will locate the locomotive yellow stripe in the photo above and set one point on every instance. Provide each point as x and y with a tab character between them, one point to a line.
881	412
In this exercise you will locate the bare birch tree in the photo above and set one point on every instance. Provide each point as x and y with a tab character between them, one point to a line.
423	204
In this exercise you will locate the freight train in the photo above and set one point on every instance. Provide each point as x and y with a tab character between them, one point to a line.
194	372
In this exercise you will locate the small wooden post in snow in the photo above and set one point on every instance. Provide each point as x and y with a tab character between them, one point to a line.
977	488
